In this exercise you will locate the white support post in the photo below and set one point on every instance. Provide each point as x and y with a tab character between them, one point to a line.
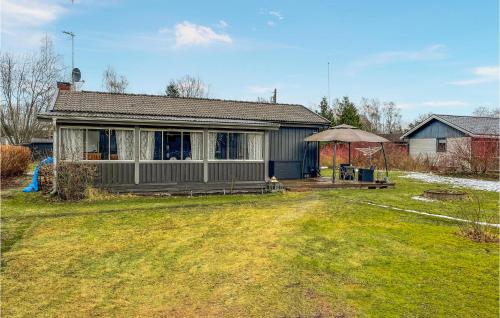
55	153
136	154
205	155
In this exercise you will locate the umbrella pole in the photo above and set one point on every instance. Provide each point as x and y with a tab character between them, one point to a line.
385	160
349	153
334	161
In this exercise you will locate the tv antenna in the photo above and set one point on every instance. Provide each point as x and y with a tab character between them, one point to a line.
72	35
329	98
76	74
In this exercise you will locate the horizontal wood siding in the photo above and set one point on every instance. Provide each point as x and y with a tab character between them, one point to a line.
423	147
114	173
170	172
235	171
436	129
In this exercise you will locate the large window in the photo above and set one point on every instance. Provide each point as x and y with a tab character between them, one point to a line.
235	146
97	144
171	145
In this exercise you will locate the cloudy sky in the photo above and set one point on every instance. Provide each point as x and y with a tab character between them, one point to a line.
427	55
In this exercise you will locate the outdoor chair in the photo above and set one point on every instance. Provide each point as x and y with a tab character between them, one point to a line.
349	173
342	169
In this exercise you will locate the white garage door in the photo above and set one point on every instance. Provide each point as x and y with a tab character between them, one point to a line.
423	147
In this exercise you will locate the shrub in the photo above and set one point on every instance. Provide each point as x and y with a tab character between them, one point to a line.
397	157
74	179
14	160
45	178
476	229
474	156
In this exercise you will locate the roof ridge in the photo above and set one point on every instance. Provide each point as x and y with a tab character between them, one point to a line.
469	116
188	98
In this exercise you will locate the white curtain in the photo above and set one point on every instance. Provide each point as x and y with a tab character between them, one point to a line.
125	144
212	140
255	145
196	145
147	145
72	144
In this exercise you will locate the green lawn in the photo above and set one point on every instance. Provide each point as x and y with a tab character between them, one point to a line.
309	254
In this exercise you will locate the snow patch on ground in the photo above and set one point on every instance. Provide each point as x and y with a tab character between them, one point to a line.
419	198
458	182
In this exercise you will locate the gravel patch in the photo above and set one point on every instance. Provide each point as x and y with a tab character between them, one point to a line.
457	182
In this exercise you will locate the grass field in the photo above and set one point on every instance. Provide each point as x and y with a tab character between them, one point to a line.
310	254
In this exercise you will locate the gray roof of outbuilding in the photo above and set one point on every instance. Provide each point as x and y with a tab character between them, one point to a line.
471	125
85	103
474	125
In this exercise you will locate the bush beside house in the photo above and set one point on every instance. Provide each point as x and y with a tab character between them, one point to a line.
14	160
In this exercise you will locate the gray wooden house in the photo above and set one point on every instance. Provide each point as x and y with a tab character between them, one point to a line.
448	139
159	143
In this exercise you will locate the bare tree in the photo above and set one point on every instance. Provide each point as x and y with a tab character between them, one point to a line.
418	120
190	86
486	112
370	110
391	115
263	100
113	82
270	100
28	84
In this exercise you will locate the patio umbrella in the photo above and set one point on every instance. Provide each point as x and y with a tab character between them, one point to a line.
347	134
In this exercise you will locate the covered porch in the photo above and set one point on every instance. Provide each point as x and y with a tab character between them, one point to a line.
347	175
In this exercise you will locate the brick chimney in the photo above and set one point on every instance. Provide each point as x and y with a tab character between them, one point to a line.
63	86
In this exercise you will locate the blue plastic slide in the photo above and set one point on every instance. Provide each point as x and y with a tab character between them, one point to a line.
33	186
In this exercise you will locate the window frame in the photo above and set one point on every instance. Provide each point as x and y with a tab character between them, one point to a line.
182	131
87	128
227	151
445	145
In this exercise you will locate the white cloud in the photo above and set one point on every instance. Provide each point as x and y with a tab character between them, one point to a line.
190	34
21	13
23	21
483	74
431	52
222	24
445	103
276	14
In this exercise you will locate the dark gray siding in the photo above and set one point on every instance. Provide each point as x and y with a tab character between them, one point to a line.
109	173
436	129
287	146
170	172
235	171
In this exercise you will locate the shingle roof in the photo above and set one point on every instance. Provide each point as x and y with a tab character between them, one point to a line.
471	125
86	102
474	125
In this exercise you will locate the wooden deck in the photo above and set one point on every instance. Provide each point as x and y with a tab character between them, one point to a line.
326	183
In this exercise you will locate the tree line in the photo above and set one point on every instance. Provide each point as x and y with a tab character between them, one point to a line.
370	114
187	86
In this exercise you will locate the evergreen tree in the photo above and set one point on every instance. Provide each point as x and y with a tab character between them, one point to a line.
171	90
347	113
325	110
